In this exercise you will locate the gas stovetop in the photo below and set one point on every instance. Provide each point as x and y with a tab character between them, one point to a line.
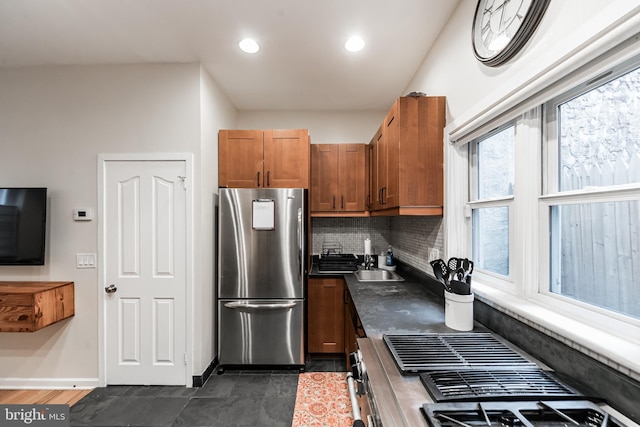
453	351
539	413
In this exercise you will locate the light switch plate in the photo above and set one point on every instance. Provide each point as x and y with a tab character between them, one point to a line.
85	260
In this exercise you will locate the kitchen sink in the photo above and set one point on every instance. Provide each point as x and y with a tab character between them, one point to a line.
377	276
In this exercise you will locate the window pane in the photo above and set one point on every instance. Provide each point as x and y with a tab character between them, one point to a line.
594	254
600	135
491	239
495	164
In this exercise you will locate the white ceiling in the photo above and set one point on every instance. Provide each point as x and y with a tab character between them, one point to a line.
302	63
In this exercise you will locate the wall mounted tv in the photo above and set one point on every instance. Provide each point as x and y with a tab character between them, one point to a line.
23	217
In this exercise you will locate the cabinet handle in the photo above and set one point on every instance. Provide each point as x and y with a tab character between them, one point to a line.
367	201
384	195
258	179
334	202
380	196
341	202
268	180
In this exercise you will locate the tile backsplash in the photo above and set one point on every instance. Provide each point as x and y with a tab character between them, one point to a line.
410	236
350	233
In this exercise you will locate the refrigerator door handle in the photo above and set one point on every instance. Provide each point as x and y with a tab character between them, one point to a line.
301	251
241	305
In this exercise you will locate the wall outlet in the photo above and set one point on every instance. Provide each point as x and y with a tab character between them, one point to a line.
434	254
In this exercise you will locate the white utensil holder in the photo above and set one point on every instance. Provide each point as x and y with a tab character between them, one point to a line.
458	311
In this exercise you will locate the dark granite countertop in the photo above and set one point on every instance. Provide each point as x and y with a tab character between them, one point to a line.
415	305
410	306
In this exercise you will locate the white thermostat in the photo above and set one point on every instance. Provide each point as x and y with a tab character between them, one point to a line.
82	214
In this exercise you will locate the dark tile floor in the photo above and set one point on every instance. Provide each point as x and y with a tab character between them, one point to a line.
263	398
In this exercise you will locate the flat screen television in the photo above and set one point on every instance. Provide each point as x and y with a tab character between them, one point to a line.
23	217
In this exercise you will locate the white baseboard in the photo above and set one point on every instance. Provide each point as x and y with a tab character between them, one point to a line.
49	383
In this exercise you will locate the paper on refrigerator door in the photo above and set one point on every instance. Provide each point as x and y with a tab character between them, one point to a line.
264	214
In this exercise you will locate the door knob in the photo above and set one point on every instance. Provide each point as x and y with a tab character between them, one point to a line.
110	289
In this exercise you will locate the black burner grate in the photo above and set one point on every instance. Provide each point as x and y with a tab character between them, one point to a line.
477	350
527	413
470	385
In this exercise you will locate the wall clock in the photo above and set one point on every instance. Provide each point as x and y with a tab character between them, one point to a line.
502	27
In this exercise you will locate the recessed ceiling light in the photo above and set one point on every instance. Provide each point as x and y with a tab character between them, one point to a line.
354	44
249	45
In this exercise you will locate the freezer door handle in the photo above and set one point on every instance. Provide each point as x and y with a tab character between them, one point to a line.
243	305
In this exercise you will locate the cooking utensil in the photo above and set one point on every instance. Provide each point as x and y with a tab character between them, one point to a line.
441	272
453	264
467	265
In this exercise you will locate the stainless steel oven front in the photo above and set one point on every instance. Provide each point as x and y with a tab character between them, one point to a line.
362	400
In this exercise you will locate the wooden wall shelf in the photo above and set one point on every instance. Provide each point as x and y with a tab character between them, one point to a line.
30	306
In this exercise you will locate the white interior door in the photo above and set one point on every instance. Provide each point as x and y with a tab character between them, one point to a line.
145	272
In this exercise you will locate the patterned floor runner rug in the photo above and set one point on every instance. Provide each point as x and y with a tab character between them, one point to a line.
322	400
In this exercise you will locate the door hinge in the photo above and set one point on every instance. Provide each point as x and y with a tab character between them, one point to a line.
185	358
183	181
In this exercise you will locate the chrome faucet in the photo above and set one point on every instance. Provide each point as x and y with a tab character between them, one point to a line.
368	262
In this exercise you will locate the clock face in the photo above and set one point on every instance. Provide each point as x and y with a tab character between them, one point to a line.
502	27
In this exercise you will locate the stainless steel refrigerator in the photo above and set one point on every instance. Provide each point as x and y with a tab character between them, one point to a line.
261	276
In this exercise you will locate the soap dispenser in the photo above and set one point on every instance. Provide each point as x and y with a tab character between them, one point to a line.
389	260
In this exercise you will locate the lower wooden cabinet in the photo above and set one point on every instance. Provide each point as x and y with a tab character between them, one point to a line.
325	326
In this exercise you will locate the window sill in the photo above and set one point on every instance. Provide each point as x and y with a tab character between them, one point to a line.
613	351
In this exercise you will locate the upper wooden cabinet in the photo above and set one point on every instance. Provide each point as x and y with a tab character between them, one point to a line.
338	178
407	176
263	158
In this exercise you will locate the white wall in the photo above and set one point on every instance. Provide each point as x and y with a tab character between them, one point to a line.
325	127
450	68
53	123
216	113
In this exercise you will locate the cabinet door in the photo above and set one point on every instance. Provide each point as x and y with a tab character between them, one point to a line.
240	158
391	152
421	151
379	170
286	158
351	177
324	177
350	337
326	315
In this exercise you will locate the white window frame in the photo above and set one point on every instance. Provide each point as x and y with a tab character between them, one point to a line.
527	157
587	313
594	331
495	279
